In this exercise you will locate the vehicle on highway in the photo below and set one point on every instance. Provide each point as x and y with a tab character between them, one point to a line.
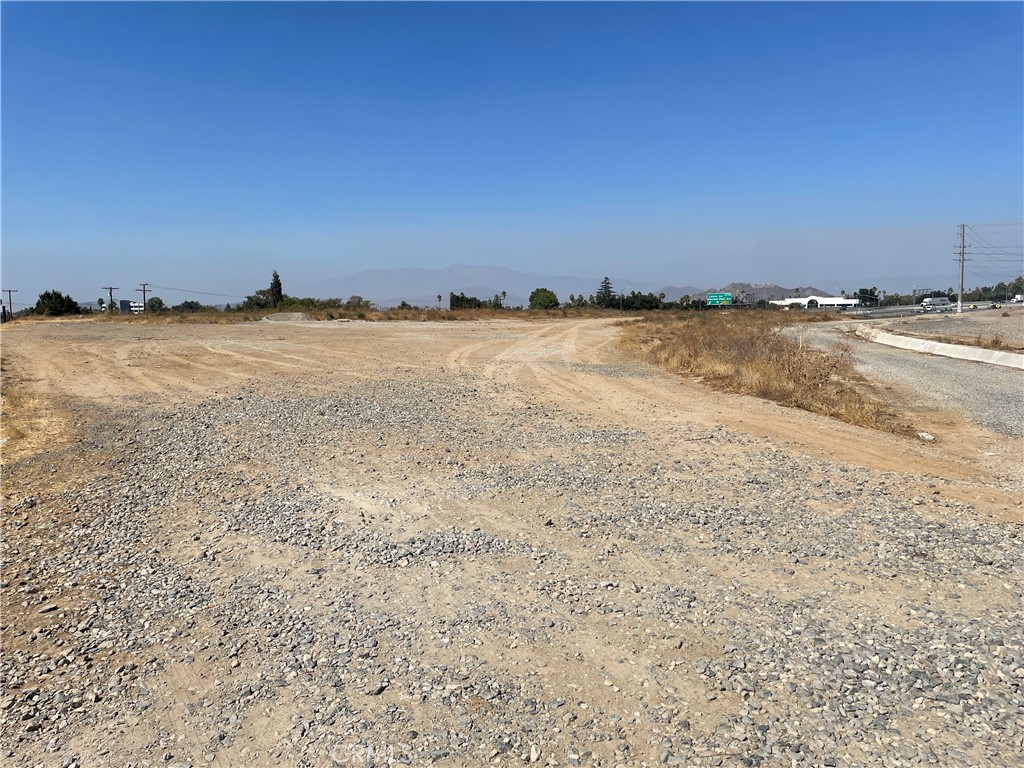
932	303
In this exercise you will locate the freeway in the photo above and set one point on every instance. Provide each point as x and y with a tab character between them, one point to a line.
906	310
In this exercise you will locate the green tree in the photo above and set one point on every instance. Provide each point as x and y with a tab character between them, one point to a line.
258	300
188	306
635	301
276	293
55	303
605	296
542	298
155	304
266	298
575	302
462	301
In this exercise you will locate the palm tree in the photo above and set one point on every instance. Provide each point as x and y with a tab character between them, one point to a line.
502	298
439	301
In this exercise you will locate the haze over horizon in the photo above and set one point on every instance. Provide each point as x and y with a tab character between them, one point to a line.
203	145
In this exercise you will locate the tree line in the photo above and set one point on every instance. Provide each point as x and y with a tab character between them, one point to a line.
273	297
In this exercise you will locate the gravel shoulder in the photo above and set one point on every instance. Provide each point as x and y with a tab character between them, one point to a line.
936	391
1005	324
491	543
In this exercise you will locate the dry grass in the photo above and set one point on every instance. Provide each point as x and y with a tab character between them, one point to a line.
369	315
995	342
29	422
749	353
179	318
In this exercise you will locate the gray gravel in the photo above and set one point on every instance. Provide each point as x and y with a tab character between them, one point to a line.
1006	324
990	395
758	607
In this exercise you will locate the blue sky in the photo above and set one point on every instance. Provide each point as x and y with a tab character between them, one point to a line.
202	145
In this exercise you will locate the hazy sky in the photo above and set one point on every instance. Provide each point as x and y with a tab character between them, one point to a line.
200	145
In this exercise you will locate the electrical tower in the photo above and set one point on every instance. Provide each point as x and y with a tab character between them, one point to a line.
110	292
10	306
960	284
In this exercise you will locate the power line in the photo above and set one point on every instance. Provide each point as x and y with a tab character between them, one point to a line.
201	293
982	281
988	272
143	289
976	237
996	248
995	269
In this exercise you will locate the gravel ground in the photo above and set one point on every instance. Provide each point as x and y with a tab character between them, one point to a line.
990	395
441	567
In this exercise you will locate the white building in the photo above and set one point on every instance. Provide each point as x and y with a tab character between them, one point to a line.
817	302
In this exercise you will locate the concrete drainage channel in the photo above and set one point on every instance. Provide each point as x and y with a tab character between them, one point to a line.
958	351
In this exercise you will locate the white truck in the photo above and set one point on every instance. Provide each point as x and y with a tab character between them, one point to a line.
930	304
1019	298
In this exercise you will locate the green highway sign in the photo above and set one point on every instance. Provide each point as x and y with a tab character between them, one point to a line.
719	299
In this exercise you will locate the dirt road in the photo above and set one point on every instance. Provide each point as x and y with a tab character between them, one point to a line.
483	543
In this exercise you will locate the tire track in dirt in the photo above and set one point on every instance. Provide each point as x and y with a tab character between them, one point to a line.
545	358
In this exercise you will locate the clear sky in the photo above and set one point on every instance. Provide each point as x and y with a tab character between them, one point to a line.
202	145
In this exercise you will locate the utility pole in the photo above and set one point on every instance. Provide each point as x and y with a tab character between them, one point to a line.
10	306
144	287
110	292
960	294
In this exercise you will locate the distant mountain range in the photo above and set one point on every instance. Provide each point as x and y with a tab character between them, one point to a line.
421	287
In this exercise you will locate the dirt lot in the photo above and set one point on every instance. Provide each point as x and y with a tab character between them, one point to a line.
330	543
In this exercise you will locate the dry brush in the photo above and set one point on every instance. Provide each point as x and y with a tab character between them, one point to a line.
761	354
